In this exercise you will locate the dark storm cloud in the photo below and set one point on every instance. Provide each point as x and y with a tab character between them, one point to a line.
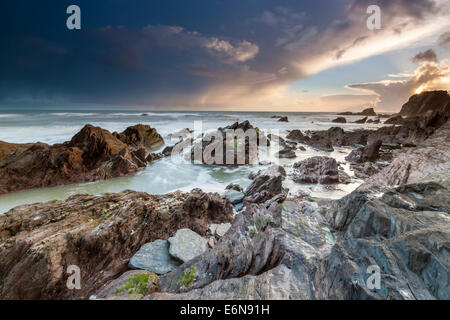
425	56
444	40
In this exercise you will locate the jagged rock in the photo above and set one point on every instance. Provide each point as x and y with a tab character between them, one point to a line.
432	156
234	196
235	187
361	121
234	150
369	153
266	184
394	120
286	153
323	170
402	232
426	102
283	119
366	112
317	140
340	120
296	135
152	157
97	233
154	256
140	136
185	245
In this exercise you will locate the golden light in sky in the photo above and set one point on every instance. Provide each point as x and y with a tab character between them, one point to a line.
419	90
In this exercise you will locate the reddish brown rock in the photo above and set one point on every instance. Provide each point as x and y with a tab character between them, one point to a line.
140	136
92	154
99	234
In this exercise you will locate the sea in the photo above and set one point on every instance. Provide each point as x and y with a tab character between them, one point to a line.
166	175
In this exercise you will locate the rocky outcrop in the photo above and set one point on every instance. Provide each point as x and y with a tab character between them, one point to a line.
99	234
92	154
316	140
323	170
304	251
339	120
368	153
429	160
427	102
140	136
283	119
396	120
266	184
286	153
361	121
235	145
366	112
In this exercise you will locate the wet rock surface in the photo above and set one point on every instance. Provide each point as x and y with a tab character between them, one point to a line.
322	170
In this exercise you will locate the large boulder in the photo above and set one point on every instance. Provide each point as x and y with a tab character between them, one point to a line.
185	245
99	234
235	145
368	153
427	102
154	256
323	170
140	136
340	120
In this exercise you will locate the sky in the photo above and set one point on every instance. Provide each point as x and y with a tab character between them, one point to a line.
256	55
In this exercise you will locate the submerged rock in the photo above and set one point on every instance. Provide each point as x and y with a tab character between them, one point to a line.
185	245
361	121
287	153
283	119
340	120
154	256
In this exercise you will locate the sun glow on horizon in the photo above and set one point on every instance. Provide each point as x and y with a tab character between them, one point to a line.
419	90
